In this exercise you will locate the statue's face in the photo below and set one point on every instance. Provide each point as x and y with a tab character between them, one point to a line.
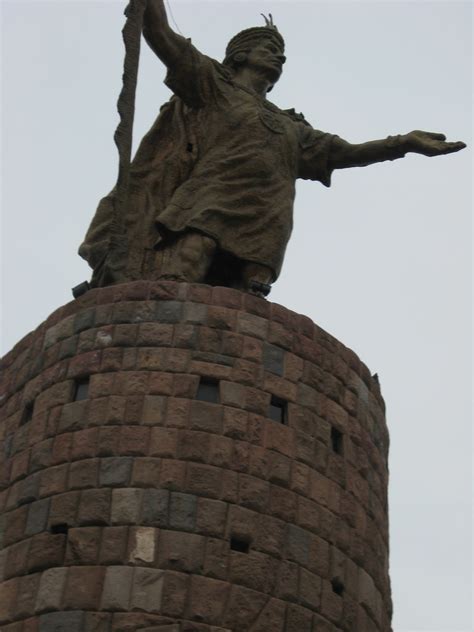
268	59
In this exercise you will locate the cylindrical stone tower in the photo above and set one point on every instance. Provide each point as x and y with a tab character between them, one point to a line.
185	458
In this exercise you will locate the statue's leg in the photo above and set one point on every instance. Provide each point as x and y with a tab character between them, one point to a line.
188	258
254	274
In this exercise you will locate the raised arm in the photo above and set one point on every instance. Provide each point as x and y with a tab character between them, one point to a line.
344	154
159	35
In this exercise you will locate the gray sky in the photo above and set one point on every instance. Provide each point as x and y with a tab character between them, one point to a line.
382	260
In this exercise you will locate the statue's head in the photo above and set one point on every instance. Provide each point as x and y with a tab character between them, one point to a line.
261	47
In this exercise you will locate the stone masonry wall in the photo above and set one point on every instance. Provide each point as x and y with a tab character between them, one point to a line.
133	501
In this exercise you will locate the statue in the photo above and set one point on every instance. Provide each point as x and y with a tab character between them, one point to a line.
209	195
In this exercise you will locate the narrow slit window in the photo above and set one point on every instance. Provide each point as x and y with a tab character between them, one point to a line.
240	545
208	391
59	529
278	410
27	413
337	586
337	441
81	390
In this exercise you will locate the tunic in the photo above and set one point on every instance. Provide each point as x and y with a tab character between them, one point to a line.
220	160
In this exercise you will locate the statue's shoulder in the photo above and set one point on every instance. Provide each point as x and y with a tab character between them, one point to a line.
298	117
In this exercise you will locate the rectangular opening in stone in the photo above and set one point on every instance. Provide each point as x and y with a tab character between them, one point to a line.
240	545
59	529
337	586
208	390
27	413
278	410
81	389
337	441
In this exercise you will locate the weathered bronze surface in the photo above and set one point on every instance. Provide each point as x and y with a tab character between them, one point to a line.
209	195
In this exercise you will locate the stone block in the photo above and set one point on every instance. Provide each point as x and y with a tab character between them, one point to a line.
283	503
220	451
113	545
153	410
280	438
154	334
254	570
298	545
208	599
174	594
83	588
243	607
146	472
155	507
50	590
126	506
203	480
46	550
84	474
318	559
182	552
299	619
182	511
163	442
53	481
309	589
273	359
168	311
216	559
287	581
62	621
134	440
270	536
147	590
272	617
83	546
63	509
94	507
194	446
331	604
206	416
15	560
115	471
26	596
195	313
142	545
172	474
211	517
279	468
117	588
37	519
253	493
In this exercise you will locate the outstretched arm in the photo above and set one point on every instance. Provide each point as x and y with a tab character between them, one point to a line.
159	35
344	154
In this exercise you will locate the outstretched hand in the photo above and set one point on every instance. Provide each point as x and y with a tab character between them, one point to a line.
431	143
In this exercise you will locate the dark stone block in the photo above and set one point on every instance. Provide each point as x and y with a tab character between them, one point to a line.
62	622
169	311
273	359
29	491
84	320
116	471
37	517
155	507
183	511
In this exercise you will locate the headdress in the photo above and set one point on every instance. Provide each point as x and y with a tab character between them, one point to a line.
251	37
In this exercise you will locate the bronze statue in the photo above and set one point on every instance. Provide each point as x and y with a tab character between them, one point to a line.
210	191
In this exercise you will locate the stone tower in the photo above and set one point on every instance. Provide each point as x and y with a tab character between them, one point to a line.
183	458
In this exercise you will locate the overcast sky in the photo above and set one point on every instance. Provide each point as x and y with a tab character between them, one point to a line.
381	260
